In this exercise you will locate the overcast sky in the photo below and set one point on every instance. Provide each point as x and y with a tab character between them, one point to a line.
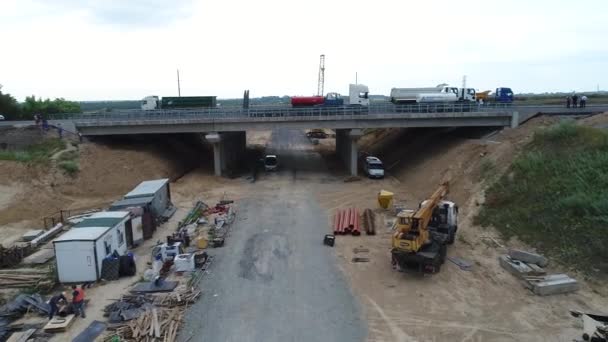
119	49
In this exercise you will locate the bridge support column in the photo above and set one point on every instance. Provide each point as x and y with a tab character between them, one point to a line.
216	140
515	120
346	148
228	150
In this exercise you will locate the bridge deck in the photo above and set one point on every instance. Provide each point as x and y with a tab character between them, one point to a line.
376	116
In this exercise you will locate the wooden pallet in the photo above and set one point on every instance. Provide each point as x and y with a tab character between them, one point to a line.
21	336
59	324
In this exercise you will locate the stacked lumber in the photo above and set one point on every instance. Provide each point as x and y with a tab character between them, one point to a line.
24	278
154	324
11	256
177	298
160	318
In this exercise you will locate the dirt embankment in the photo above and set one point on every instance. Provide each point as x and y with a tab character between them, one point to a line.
485	304
108	169
599	120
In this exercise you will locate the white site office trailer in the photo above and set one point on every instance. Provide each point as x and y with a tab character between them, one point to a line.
80	252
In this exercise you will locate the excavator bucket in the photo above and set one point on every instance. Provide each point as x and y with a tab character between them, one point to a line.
385	199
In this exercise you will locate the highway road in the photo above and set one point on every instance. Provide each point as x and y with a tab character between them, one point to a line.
275	280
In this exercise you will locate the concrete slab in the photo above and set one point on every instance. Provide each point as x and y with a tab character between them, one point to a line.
517	268
536	270
528	257
40	257
553	284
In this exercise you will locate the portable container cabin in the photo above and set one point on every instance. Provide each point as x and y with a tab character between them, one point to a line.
158	189
119	219
142	219
80	251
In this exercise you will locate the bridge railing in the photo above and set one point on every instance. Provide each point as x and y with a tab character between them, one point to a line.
282	112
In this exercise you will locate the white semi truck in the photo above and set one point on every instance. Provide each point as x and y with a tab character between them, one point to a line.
440	93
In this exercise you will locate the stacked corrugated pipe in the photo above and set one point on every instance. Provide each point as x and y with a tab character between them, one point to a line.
347	221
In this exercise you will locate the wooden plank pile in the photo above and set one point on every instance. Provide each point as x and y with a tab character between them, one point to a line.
155	324
59	324
11	256
160	319
26	278
21	336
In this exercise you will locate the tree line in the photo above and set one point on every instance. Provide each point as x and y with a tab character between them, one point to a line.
13	110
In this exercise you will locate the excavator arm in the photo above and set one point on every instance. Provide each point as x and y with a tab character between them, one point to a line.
412	229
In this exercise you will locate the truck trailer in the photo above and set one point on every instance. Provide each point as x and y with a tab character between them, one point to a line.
358	95
181	102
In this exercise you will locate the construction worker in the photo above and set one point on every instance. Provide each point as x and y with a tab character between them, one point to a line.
574	100
78	301
568	100
56	299
583	101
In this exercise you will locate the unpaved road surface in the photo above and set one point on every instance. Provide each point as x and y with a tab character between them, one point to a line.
275	280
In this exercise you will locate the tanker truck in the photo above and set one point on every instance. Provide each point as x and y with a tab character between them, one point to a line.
358	95
440	93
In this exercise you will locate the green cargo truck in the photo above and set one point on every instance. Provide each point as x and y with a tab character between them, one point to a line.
183	102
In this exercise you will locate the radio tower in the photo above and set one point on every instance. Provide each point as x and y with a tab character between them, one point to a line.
321	85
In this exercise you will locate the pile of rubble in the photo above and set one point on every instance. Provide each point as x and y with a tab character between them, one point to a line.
530	268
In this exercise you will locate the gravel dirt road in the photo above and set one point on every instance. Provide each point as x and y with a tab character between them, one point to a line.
275	280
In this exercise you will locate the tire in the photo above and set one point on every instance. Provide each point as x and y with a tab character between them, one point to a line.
443	251
451	237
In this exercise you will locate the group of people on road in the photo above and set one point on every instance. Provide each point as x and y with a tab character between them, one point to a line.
77	302
576	101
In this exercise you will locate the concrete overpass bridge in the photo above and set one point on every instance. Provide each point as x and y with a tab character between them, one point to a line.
225	127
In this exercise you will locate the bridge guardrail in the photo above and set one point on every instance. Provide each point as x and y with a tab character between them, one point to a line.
283	112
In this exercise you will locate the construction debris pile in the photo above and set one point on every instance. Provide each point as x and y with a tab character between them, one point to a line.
595	327
17	308
147	317
529	267
12	256
206	225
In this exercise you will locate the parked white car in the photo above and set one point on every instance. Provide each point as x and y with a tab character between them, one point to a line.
373	167
271	162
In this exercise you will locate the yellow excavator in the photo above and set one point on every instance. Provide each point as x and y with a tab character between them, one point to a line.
421	236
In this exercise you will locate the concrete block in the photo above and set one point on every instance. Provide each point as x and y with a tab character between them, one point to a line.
553	284
517	268
528	257
536	270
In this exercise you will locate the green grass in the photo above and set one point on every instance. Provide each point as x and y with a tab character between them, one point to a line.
555	196
68	155
487	169
37	153
69	166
